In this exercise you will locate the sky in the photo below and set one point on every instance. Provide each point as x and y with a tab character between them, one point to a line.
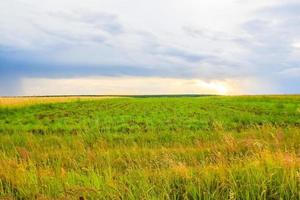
67	47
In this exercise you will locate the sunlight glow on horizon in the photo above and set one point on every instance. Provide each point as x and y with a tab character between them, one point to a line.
217	86
134	85
124	86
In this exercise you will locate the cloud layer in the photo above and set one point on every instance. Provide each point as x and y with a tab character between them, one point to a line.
228	42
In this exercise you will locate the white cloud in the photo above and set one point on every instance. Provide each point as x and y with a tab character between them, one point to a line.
208	40
291	72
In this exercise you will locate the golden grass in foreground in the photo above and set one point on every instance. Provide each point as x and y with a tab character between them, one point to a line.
261	163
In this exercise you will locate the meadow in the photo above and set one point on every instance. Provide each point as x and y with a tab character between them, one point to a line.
210	147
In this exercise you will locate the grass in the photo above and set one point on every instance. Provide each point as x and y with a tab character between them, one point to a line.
244	147
27	101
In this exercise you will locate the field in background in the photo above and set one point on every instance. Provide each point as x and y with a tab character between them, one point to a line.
27	101
244	147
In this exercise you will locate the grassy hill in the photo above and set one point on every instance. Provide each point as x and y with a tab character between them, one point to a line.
180	147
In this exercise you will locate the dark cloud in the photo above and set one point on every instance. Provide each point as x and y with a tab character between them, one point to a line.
209	34
284	11
107	22
271	37
63	37
10	85
27	66
180	54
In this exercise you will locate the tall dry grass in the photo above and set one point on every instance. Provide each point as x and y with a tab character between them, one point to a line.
257	164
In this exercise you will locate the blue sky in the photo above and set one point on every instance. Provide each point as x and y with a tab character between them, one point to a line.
149	47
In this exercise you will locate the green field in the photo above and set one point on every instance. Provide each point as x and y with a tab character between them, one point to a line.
212	147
